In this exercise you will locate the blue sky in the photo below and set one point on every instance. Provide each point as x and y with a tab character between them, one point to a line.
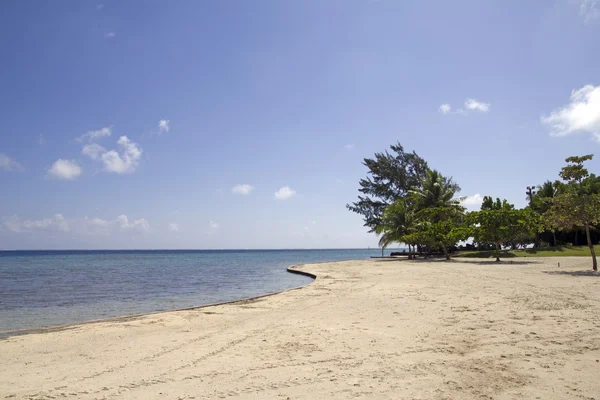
243	124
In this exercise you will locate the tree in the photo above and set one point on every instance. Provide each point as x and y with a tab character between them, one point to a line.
530	195
436	190
439	211
500	223
542	200
398	220
488	203
431	216
390	178
579	205
442	227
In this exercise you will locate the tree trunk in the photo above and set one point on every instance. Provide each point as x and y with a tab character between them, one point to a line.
591	246
536	242
445	250
554	238
576	232
497	252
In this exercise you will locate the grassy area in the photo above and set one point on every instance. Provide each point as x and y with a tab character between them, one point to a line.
559	251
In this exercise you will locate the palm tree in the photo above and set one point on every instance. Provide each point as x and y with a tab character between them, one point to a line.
542	199
436	191
547	190
435	200
530	193
397	221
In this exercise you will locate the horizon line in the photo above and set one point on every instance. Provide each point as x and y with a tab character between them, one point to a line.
221	249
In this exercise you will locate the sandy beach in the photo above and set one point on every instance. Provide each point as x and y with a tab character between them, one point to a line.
364	329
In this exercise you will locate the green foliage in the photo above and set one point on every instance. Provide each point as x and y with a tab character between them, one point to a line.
439	212
501	224
435	191
430	217
489	204
575	171
569	211
441	228
390	178
404	201
578	205
542	200
397	221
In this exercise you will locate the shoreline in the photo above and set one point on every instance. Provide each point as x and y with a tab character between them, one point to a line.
124	318
371	328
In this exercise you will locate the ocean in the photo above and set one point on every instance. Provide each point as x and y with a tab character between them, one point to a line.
45	288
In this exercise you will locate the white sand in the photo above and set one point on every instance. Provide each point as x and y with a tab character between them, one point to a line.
370	329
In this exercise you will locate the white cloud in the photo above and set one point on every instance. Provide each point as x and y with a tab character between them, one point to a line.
56	223
589	10
163	126
581	114
93	226
99	226
9	164
472	202
242	189
445	108
123	221
109	35
213	225
470	105
475	105
476	199
98	222
65	169
93	150
93	135
12	223
121	161
173	227
86	226
124	162
349	147
284	193
140	225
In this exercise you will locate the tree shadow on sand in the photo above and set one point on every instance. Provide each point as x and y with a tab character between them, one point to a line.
574	273
501	263
489	254
442	260
384	260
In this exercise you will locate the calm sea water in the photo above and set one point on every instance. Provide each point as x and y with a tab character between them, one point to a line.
43	288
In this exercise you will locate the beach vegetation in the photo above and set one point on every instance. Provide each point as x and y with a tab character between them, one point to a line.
391	175
500	224
404	201
429	218
578	205
397	223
